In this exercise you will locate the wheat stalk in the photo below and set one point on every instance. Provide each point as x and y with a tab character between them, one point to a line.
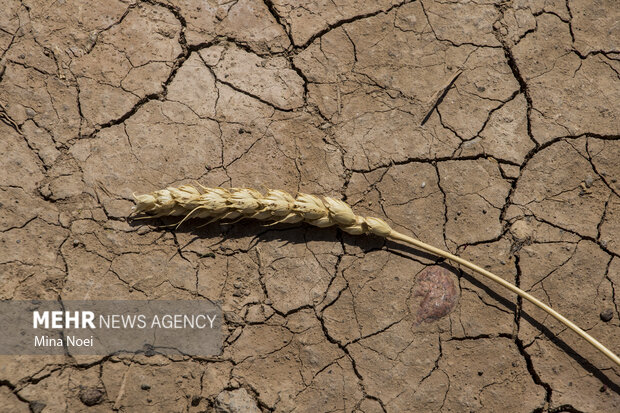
236	203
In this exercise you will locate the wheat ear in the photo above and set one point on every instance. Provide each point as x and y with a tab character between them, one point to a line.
236	203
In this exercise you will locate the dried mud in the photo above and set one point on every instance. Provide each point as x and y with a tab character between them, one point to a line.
516	169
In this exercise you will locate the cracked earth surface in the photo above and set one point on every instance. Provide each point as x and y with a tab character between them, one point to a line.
515	168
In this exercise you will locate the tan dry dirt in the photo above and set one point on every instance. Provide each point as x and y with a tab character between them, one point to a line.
517	168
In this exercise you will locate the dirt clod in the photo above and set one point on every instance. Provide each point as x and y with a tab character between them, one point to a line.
236	401
91	396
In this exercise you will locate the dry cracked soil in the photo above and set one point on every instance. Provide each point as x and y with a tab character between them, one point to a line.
488	128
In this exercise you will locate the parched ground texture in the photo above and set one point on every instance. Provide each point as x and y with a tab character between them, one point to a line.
516	168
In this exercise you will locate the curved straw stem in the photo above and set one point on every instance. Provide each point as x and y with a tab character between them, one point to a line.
412	241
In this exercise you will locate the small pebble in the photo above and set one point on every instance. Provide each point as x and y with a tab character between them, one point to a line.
589	180
76	242
145	387
423	185
196	400
607	315
37	406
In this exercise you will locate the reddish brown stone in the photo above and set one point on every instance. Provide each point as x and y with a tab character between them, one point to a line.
438	293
